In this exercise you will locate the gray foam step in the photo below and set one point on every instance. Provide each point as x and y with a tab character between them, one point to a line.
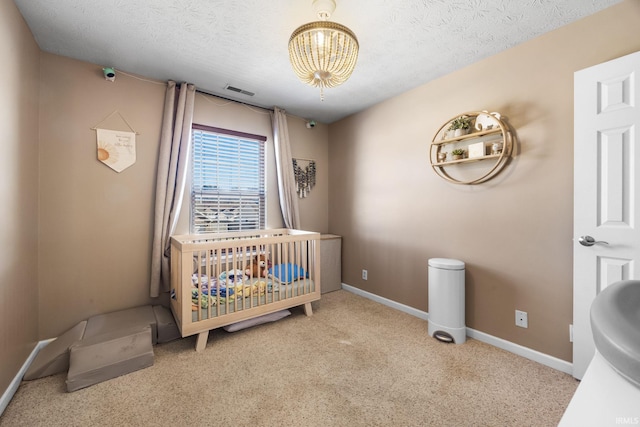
123	319
110	355
54	357
166	324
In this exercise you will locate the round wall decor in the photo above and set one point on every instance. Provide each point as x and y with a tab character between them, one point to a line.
471	148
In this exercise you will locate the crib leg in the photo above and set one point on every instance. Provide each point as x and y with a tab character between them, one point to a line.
307	309
201	342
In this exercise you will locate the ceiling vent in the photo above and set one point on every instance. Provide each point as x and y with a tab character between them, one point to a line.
236	89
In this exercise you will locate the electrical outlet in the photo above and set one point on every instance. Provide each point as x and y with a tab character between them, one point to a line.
571	333
522	319
364	274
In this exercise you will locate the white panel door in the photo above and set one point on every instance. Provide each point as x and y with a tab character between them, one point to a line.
606	189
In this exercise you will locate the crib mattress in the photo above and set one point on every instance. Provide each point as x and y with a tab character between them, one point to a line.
274	292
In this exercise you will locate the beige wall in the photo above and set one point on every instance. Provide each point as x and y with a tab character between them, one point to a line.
312	144
96	224
19	55
515	231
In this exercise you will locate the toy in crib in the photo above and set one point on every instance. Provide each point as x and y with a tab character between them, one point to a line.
237	282
233	277
259	267
209	287
246	289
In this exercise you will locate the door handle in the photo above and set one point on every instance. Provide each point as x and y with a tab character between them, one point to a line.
590	241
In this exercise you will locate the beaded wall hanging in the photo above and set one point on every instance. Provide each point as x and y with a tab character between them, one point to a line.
305	176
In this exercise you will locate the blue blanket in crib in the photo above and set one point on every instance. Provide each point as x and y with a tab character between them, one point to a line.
287	273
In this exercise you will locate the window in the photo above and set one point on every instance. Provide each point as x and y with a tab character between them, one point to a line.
228	180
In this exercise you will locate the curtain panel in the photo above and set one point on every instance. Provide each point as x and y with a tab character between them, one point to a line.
284	169
173	160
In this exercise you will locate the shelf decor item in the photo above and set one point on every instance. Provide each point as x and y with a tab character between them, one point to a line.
457	154
488	130
486	120
460	125
477	150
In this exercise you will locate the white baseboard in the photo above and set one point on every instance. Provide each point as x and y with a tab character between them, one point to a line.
536	356
529	353
390	303
13	387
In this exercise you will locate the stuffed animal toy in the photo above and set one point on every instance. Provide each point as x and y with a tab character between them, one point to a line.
259	267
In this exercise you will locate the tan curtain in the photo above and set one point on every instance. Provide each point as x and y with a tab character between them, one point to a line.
175	139
284	169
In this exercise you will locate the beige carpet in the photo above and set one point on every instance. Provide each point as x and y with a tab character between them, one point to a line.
353	363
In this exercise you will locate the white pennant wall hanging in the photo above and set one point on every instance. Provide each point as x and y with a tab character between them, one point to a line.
116	148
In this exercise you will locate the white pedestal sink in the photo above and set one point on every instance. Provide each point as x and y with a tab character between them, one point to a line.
609	393
603	399
615	324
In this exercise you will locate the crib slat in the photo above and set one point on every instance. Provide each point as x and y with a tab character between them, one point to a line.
296	262
199	286
234	265
217	271
248	256
302	261
226	268
208	272
270	254
285	261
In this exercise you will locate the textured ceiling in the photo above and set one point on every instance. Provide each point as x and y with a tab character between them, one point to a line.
243	43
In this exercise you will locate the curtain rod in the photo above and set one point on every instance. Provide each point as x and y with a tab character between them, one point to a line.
233	100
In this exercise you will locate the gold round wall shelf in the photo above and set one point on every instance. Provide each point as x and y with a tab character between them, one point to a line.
472	155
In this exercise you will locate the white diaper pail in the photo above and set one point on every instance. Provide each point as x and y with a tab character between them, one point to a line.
446	300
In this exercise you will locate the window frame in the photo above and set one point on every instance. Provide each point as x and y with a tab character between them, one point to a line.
237	224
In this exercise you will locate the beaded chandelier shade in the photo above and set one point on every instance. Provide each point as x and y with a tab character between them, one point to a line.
322	53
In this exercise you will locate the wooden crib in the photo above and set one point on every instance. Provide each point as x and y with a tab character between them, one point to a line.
220	279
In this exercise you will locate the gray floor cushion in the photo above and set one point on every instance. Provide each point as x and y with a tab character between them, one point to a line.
54	357
106	356
166	324
123	319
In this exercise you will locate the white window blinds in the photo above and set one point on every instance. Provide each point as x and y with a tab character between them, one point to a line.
228	181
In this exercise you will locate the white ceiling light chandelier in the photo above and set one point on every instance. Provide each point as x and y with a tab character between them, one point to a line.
323	53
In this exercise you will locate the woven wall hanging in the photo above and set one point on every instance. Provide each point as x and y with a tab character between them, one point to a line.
304	171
